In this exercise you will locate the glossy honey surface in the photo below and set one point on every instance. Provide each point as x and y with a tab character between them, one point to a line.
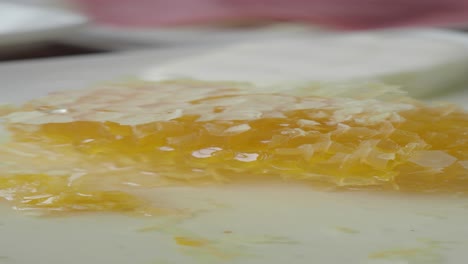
115	139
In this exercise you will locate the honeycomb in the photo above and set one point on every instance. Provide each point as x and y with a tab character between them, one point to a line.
87	150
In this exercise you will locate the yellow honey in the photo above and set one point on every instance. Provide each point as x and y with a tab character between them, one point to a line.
182	133
190	242
54	194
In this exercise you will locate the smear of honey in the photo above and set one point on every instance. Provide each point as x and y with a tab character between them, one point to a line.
190	242
53	193
429	253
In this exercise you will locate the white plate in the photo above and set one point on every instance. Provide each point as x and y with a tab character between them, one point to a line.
424	62
269	224
25	24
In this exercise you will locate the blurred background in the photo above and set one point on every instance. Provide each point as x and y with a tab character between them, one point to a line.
50	28
109	25
419	44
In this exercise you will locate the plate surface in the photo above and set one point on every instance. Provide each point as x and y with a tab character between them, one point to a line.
424	62
239	224
25	24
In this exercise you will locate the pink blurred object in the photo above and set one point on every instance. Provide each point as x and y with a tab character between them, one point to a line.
342	14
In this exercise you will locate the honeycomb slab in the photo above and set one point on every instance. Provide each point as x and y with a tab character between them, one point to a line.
108	141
